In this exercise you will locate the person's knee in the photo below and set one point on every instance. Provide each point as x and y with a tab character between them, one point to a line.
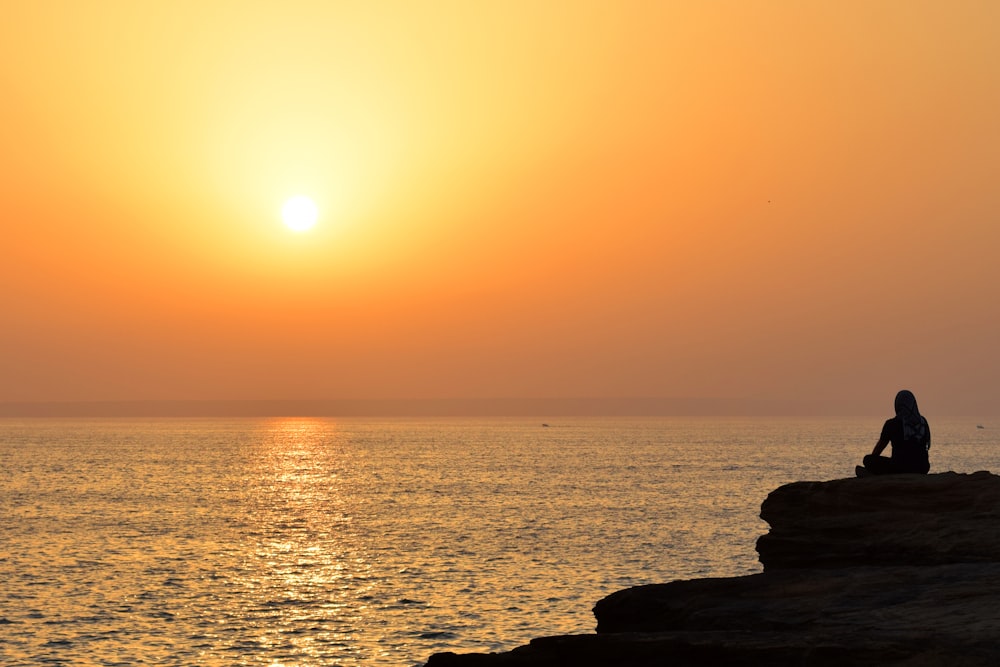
879	465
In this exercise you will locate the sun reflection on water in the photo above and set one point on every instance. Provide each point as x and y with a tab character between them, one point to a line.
304	571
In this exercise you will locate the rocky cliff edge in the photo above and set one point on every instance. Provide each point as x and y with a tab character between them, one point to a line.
897	570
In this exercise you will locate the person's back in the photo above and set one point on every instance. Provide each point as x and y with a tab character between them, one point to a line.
910	436
908	454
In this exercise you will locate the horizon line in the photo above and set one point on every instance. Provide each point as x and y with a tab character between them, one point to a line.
442	407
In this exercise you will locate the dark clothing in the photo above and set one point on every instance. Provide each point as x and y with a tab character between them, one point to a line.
880	465
907	455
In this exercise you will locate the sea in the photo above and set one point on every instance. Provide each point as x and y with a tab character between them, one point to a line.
307	541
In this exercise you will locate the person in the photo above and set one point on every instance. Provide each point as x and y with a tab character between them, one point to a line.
910	436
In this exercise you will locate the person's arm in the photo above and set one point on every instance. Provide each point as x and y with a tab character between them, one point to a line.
885	437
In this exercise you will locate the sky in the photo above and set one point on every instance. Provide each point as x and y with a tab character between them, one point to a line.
773	200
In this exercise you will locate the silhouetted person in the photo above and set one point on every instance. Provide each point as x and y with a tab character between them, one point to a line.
910	437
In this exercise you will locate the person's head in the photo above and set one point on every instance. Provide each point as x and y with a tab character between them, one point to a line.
906	404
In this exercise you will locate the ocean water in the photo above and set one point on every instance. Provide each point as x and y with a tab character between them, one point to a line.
380	542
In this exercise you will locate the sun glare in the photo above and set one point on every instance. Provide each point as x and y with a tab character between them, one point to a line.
299	213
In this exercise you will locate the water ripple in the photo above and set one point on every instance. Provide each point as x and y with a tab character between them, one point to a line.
328	542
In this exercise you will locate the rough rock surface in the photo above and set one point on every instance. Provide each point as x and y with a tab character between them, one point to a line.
896	570
889	520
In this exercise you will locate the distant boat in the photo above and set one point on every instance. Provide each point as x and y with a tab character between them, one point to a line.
547	425
980	426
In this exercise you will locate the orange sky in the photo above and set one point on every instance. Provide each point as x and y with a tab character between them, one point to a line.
518	199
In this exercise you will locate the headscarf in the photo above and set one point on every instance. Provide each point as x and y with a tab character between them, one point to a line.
914	425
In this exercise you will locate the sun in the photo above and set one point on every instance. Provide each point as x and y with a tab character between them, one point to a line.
299	213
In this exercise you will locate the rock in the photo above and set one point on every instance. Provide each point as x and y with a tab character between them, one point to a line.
674	649
945	606
896	570
670	649
883	520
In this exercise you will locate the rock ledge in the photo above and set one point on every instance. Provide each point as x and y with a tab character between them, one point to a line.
894	570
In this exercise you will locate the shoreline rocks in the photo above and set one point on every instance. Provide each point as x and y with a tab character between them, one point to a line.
890	520
892	570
